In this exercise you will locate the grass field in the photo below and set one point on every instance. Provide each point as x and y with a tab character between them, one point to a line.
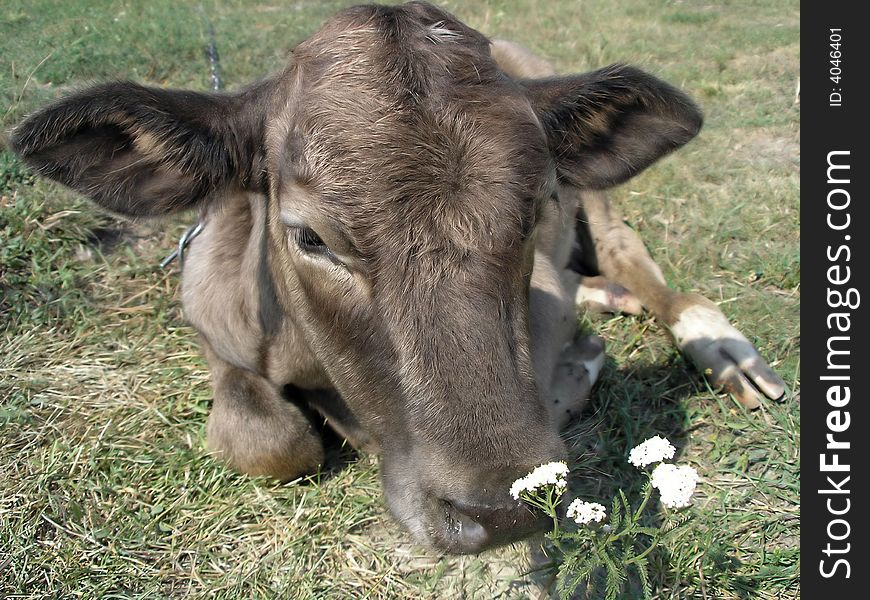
105	488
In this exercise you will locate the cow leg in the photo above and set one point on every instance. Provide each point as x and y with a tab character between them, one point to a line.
699	328
597	294
566	369
256	430
338	416
574	374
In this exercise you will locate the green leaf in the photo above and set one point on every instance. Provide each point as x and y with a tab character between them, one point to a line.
615	577
615	514
629	515
642	566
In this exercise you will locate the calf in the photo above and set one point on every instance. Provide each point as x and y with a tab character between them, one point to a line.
388	225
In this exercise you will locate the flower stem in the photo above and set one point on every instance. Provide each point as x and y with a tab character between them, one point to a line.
551	502
629	525
645	553
647	494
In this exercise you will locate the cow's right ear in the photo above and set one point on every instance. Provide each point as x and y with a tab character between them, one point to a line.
144	151
606	126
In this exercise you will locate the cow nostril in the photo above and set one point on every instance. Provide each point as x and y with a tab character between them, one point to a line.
464	526
475	526
479	513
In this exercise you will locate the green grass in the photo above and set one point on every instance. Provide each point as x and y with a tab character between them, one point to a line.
105	489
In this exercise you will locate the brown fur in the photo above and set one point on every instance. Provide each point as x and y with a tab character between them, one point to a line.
388	225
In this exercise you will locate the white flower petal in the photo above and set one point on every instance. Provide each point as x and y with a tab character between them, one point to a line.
552	473
655	449
676	484
586	512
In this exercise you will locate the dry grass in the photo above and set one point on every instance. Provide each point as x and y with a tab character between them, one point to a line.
105	490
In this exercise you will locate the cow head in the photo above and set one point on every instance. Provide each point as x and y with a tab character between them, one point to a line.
403	174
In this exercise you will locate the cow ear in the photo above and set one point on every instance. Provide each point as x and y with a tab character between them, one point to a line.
605	126
144	151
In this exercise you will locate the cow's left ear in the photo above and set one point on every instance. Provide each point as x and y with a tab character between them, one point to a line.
605	126
144	151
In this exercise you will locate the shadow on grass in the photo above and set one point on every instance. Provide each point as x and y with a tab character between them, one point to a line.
315	405
628	406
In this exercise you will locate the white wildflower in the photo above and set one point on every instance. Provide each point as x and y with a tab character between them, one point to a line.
553	473
655	449
586	512
676	484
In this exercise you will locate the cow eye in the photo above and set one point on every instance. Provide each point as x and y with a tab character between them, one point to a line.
309	243
308	240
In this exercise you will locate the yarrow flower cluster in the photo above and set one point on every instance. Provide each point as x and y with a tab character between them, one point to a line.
656	449
676	484
553	473
586	512
617	540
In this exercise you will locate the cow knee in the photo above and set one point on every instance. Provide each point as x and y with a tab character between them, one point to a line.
259	433
575	374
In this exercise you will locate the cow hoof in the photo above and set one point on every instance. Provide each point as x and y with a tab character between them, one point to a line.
597	294
725	356
576	372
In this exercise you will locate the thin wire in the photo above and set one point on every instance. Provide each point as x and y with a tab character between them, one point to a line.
214	67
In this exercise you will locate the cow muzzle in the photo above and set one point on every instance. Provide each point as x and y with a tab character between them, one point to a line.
469	528
464	511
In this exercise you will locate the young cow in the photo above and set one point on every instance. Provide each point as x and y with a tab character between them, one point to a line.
388	224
